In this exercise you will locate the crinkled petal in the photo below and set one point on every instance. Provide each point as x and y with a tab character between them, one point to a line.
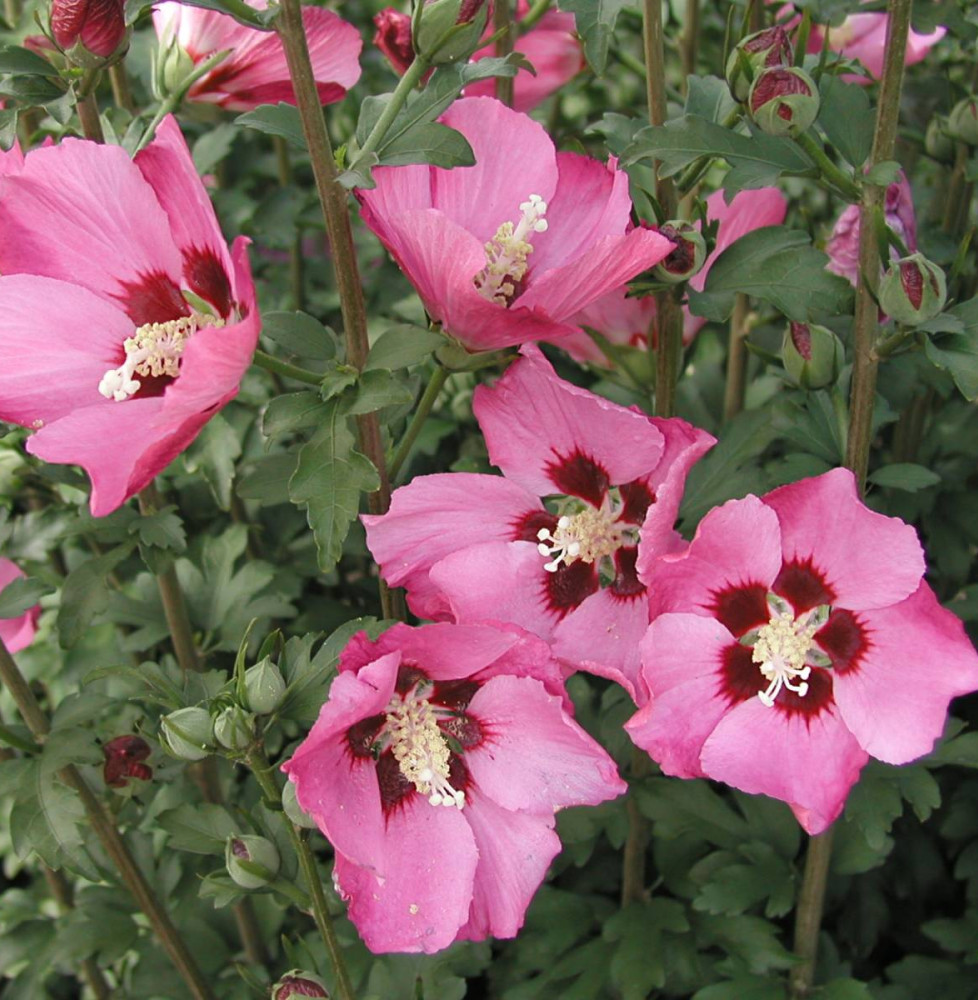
869	560
895	699
534	757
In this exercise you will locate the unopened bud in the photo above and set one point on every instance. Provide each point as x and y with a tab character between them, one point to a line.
173	66
188	733
234	728
762	50
252	862
264	687
913	290
91	33
292	809
449	30
937	142
299	983
813	355
783	100
688	255
393	38
124	758
962	123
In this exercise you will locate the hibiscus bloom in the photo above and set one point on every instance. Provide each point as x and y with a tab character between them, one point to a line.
255	71
486	548
509	250
125	322
16	633
435	769
792	640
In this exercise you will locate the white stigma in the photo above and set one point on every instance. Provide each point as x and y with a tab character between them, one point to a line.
781	649
588	536
421	750
153	350
508	250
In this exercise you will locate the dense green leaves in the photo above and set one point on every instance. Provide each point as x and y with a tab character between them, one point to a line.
595	22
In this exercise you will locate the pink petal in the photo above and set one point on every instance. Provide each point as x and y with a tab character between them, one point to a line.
621	320
515	850
735	545
869	561
534	758
532	419
436	515
11	160
810	762
919	657
16	633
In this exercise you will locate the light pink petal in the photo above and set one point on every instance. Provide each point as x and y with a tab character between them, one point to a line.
681	661
515	850
895	701
863	37
398	189
83	212
565	290
16	633
198	30
514	158
602	636
419	896
532	419
868	560
57	340
534	758
735	545
619	319
11	160
436	515
808	762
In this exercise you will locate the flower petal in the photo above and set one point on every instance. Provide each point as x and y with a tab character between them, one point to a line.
16	633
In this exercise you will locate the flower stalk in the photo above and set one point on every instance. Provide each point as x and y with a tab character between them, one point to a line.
432	390
502	22
413	75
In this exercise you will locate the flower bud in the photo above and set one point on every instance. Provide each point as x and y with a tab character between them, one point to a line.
188	733
252	862
393	38
449	30
264	687
173	66
760	51
962	123
295	812
813	355
124	758
90	32
686	258
783	100
299	983
913	290
937	142
234	728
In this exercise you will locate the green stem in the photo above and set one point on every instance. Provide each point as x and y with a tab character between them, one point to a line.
808	915
262	770
121	91
503	25
412	77
283	163
425	404
271	364
13	740
829	172
636	842
108	834
533	15
733	395
91	124
11	12
889	345
690	41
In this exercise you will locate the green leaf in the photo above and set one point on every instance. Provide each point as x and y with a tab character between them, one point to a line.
8	128
595	23
328	482
22	62
213	146
300	334
637	966
707	97
743	988
883	173
375	390
162	529
337	378
428	142
291	412
238	9
85	594
213	456
957	353
21	595
36	90
267	480
276	119
220	887
779	266
847	118
904	476
402	346
200	829
845	989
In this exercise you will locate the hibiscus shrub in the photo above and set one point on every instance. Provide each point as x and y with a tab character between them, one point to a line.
488	500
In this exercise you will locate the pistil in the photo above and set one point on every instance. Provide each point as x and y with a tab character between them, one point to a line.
782	649
507	253
587	536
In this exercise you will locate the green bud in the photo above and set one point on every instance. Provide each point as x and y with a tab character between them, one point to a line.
937	142
783	101
173	66
264	687
813	355
290	804
757	52
688	256
299	983
188	733
234	728
962	123
252	862
913	290
447	31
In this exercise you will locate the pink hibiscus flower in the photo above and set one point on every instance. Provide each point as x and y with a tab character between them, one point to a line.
435	769
486	548
16	633
121	308
511	249
255	72
792	640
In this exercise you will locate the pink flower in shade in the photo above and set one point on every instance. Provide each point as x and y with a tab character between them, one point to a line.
255	72
393	38
794	639
125	322
435	769
16	633
486	548
511	249
843	245
621	319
